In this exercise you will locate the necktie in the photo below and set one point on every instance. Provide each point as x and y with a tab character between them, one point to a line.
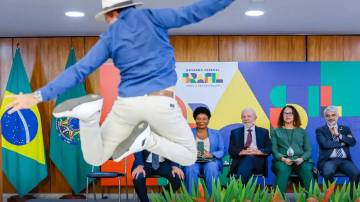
338	151
248	138
155	161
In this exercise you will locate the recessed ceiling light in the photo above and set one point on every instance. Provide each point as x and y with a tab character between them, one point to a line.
75	14
254	13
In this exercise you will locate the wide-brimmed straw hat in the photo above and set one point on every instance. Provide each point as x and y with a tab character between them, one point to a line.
110	5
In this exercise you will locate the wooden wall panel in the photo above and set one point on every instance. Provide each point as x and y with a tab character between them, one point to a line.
333	48
92	84
351	48
5	65
262	48
78	43
196	48
5	62
325	48
226	50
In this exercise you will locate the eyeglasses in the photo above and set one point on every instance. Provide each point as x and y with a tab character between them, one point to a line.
288	113
330	115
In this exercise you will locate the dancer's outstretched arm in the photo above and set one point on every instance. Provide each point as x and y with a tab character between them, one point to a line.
177	17
67	79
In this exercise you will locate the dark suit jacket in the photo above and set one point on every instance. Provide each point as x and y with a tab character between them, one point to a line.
140	159
237	144
327	144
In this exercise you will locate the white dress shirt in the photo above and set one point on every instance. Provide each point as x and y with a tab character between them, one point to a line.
149	158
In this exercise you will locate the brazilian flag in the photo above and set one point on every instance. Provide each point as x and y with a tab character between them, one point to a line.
65	148
23	156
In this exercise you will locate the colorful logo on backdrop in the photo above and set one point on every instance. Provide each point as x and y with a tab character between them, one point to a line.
69	130
202	77
19	128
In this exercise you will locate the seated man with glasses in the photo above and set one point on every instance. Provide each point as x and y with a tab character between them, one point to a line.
334	148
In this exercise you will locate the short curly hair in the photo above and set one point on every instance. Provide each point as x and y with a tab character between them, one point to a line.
201	110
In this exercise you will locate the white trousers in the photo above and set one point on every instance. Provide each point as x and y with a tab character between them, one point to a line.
171	136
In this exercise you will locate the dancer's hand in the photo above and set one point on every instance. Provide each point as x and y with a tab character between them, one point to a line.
177	171
138	170
21	101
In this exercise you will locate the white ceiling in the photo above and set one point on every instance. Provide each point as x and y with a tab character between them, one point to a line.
46	18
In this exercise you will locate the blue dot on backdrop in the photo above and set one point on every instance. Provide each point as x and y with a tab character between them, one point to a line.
19	128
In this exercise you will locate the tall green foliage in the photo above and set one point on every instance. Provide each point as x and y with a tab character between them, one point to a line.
236	191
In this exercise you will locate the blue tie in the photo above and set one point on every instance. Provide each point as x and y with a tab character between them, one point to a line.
338	151
155	161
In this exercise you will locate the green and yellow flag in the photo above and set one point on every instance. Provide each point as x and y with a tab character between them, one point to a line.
65	148
23	155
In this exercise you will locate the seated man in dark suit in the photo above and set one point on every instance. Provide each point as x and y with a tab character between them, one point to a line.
249	147
147	164
334	148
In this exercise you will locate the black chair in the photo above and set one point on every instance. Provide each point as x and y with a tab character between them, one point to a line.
263	174
340	174
99	175
295	178
337	174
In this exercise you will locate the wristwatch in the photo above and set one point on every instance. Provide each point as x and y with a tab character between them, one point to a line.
37	95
